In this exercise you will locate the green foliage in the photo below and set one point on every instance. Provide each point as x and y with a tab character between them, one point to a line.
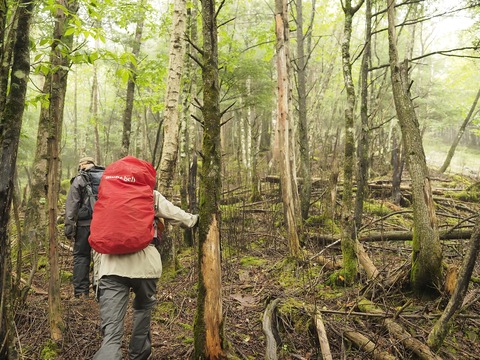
49	351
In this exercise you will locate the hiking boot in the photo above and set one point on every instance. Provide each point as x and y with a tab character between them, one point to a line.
83	296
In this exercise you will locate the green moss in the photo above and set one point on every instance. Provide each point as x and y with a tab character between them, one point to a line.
469	196
295	311
49	351
376	208
42	263
324	222
65	185
65	276
251	261
164	311
337	278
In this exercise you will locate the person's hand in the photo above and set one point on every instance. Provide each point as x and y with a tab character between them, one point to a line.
195	226
69	231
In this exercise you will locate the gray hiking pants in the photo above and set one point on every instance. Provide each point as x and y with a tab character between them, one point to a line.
114	295
81	261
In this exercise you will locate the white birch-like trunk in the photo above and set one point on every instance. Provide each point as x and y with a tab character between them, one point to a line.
170	125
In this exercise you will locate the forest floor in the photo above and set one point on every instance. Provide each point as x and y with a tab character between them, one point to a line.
256	269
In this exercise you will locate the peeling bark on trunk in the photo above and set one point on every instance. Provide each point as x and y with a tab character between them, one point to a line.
208	327
427	253
284	130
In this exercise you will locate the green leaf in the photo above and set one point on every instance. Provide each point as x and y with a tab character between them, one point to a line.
69	31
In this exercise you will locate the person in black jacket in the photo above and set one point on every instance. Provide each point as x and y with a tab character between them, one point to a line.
78	215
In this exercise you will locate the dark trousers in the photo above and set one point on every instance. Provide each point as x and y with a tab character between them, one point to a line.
81	261
114	296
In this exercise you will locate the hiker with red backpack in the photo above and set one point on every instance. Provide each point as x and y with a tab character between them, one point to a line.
123	231
78	215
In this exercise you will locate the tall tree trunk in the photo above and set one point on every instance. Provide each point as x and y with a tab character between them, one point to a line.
5	54
208	327
127	115
284	129
54	89
465	123
304	143
348	224
54	124
11	122
94	101
398	162
362	149
442	326
426	270
171	114
188	162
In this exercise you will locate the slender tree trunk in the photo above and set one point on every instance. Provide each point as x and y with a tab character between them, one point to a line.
94	101
397	167
304	143
208	327
363	149
11	122
171	114
348	224
460	133
55	123
426	273
442	326
284	129
75	116
188	162
127	115
54	89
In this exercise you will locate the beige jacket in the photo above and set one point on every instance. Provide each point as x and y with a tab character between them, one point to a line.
145	263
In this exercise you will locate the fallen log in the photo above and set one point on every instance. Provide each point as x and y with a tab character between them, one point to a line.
322	337
268	330
420	349
367	345
397	236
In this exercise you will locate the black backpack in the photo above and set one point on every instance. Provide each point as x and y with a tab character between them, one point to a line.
92	179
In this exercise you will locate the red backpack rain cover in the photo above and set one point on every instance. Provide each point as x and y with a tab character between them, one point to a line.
122	221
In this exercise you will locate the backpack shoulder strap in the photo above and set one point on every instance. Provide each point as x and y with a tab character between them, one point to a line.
90	198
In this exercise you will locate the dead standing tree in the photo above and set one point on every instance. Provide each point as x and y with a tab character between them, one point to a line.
290	197
208	327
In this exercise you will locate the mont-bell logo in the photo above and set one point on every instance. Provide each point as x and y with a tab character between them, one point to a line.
124	178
